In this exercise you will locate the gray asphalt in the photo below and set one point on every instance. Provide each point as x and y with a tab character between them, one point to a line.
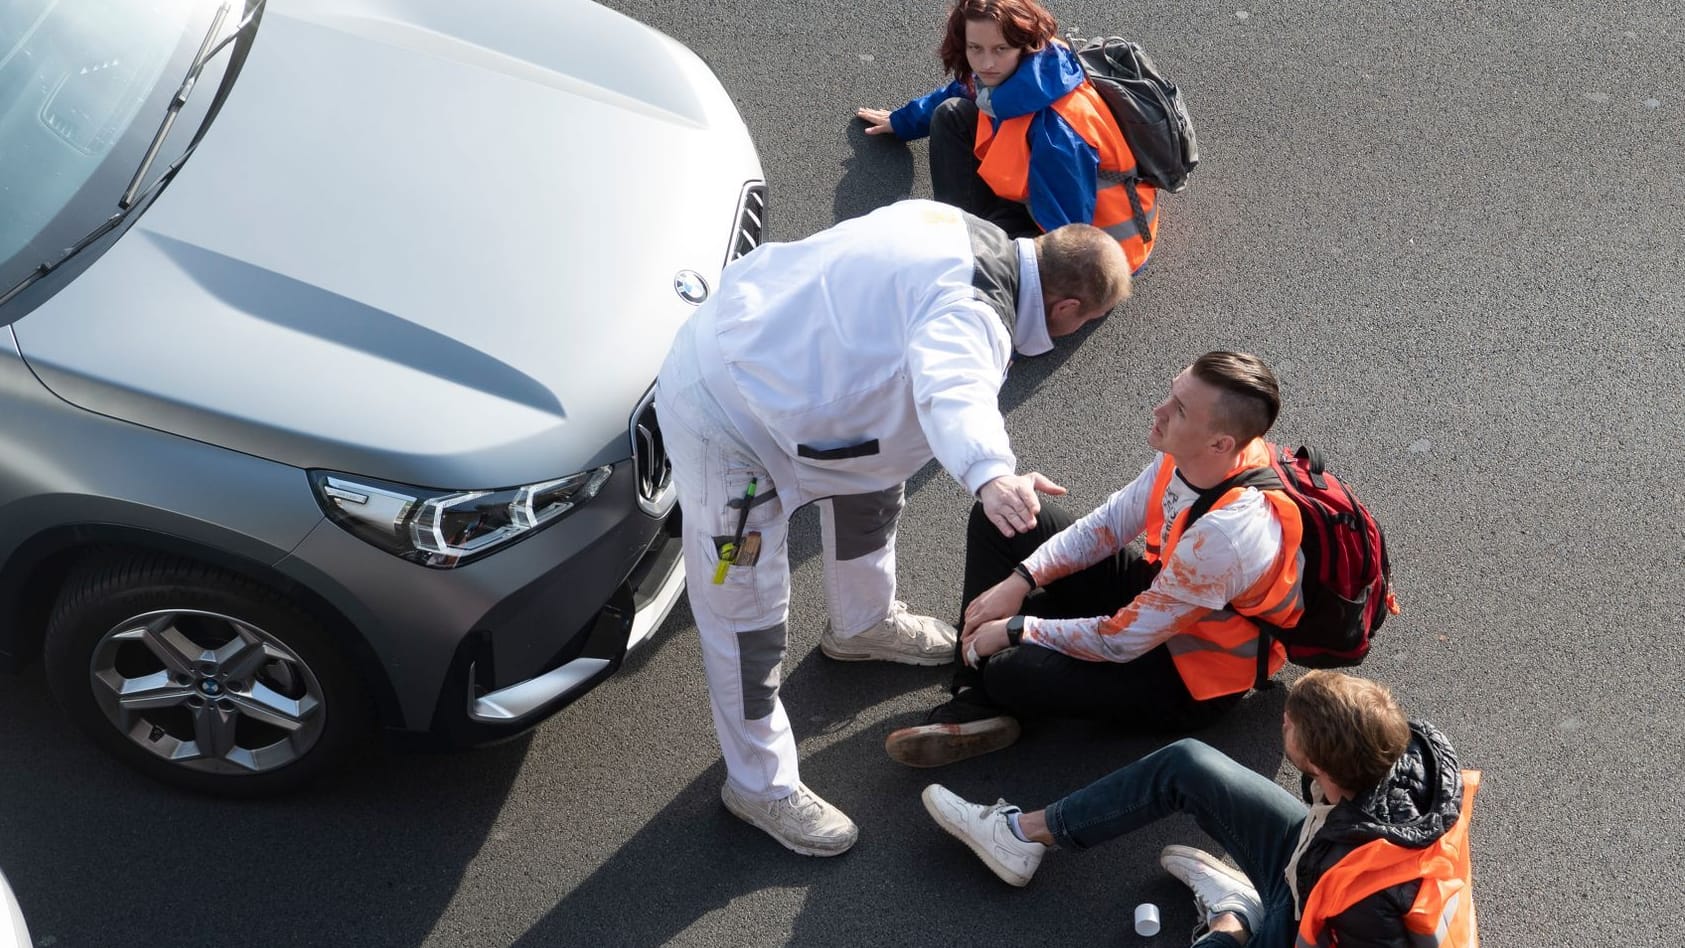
1456	231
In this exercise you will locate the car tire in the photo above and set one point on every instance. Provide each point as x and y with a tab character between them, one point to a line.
199	677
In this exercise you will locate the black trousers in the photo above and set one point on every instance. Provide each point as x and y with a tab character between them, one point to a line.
953	170
1034	681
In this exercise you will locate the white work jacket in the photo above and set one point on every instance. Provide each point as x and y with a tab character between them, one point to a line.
849	359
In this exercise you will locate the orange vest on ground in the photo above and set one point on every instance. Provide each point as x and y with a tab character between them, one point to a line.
1442	915
1219	654
1005	157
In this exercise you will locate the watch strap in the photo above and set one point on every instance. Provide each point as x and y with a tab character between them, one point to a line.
1024	571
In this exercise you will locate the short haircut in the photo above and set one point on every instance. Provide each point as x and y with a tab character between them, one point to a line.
1251	397
1349	727
1081	261
1024	24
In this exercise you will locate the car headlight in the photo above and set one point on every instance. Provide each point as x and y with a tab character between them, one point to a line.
443	529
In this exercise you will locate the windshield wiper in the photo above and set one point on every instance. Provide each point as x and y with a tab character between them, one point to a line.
132	195
174	108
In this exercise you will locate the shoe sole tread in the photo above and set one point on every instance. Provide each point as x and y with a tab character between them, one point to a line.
835	652
937	745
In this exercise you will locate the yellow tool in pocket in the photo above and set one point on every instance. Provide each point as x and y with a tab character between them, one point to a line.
731	552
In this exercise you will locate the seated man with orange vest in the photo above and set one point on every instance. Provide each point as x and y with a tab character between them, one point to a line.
1160	640
1379	858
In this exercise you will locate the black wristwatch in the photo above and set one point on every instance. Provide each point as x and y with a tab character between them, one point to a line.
1014	630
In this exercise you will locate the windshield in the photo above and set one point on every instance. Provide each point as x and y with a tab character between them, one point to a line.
83	86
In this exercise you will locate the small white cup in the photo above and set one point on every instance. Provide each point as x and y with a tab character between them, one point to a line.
1146	919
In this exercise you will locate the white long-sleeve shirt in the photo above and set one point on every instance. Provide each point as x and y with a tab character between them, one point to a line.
851	358
1215	562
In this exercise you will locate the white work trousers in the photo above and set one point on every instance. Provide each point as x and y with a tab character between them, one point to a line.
742	620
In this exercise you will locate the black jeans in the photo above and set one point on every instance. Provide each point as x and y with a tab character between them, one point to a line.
953	170
1034	681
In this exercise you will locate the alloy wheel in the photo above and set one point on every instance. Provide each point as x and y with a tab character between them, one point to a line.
207	691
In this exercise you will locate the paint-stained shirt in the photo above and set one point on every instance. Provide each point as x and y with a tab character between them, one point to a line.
1215	562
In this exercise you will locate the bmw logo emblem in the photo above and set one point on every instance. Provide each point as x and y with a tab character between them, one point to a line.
690	286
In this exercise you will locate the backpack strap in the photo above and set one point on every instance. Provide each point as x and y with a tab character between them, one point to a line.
1142	225
1313	460
1262	680
1263	478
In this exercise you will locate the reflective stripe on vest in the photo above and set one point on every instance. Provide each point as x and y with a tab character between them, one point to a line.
1442	915
1218	654
1004	157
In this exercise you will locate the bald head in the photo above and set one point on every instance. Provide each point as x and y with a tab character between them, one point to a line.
1082	262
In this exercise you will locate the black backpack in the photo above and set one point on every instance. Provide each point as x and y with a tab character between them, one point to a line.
1347	580
1148	108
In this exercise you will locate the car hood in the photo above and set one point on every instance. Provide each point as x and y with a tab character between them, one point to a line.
419	243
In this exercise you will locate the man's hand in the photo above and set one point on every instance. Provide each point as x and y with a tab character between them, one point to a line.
1003	600
985	640
1010	501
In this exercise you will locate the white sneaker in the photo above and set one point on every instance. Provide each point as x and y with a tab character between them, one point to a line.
802	821
900	637
986	831
1217	886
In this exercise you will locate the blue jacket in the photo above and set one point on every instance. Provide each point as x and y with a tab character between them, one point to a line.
1063	167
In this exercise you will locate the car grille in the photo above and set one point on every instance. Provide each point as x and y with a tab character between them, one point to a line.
650	463
750	227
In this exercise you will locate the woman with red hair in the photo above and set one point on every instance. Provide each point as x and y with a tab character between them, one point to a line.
1020	137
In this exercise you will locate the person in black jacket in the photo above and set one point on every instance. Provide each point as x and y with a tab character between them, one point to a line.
1369	774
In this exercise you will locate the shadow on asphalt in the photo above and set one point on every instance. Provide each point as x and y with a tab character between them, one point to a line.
379	847
376	853
878	172
905	882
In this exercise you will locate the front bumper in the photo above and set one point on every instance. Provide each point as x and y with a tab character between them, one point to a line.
486	650
630	616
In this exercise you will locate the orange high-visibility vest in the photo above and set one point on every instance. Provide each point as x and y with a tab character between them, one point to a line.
1005	158
1442	915
1219	654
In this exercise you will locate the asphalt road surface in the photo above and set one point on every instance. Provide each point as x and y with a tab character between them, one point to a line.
1454	228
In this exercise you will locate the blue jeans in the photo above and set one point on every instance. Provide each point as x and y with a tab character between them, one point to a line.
1249	815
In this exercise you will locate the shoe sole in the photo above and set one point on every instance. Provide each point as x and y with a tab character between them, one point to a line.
1206	859
834	651
750	817
981	852
936	745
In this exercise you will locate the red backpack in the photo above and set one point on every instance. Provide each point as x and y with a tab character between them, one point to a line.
1347	581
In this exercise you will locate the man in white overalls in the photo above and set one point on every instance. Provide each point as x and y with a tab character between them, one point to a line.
831	369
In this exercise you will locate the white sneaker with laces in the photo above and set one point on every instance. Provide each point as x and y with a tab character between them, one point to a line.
802	821
900	637
1217	886
986	831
